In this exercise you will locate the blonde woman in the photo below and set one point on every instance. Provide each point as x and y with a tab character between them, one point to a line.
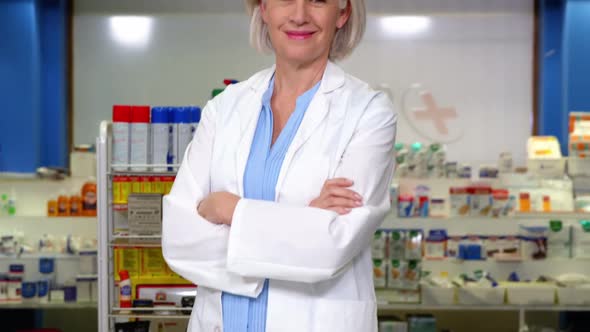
279	194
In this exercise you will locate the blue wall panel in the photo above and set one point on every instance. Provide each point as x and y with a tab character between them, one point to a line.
19	87
33	85
577	56
53	32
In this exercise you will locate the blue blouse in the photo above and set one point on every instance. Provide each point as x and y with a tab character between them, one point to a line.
240	313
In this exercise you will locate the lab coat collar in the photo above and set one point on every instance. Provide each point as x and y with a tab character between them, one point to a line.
332	79
317	111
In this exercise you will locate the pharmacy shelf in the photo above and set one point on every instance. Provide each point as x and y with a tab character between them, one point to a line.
65	305
155	309
518	217
382	308
38	255
136	245
139	170
135	237
147	316
45	219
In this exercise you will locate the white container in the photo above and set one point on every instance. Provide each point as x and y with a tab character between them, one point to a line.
56	296
140	137
184	131
84	288
160	137
88	262
459	201
546	167
573	295
121	127
438	295
578	166
531	294
481	296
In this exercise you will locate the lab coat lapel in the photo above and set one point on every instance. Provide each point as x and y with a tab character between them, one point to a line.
248	111
314	115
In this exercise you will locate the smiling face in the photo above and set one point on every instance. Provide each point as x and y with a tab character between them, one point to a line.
302	31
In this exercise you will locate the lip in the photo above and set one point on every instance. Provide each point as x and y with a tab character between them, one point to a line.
299	35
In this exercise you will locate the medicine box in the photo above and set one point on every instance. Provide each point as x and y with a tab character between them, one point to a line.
145	214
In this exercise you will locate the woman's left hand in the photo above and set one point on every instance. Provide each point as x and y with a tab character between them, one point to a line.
218	207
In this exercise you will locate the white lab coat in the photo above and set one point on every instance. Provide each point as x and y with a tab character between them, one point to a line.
319	263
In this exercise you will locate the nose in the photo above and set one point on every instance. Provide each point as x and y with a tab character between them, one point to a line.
299	15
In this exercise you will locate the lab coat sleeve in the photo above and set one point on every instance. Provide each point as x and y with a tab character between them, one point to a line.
193	247
305	244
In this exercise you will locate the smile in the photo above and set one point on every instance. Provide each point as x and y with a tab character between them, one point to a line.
299	35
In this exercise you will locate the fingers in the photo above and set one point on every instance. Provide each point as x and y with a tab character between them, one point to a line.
340	182
344	193
342	202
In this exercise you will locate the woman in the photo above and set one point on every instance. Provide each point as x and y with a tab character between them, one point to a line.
286	180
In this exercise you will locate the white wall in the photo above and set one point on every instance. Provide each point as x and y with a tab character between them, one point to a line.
476	56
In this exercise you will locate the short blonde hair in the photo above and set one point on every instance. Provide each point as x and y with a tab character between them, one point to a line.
345	40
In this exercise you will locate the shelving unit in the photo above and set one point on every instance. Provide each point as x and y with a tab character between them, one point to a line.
43	306
109	238
527	269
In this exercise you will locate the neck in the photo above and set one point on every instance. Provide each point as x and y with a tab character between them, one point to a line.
293	79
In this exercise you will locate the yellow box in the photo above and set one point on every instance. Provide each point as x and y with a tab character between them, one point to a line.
127	258
153	263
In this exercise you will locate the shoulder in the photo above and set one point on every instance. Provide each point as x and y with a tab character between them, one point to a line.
224	103
365	103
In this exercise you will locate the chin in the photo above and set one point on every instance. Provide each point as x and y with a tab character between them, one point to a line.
301	55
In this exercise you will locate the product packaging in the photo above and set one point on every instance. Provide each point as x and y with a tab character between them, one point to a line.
397	244
396	270
480	198
453	243
379	273
121	133
379	244
559	240
29	291
472	248
437	208
436	244
510	248
533	242
411	276
160	132
582	239
459	199
140	137
413	248
124	289
493	247
422	201
500	198
405	206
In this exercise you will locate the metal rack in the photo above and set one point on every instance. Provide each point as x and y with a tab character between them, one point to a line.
108	310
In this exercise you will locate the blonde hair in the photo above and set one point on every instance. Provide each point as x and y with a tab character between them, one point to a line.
345	40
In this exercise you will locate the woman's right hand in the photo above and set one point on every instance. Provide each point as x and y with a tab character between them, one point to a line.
336	196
